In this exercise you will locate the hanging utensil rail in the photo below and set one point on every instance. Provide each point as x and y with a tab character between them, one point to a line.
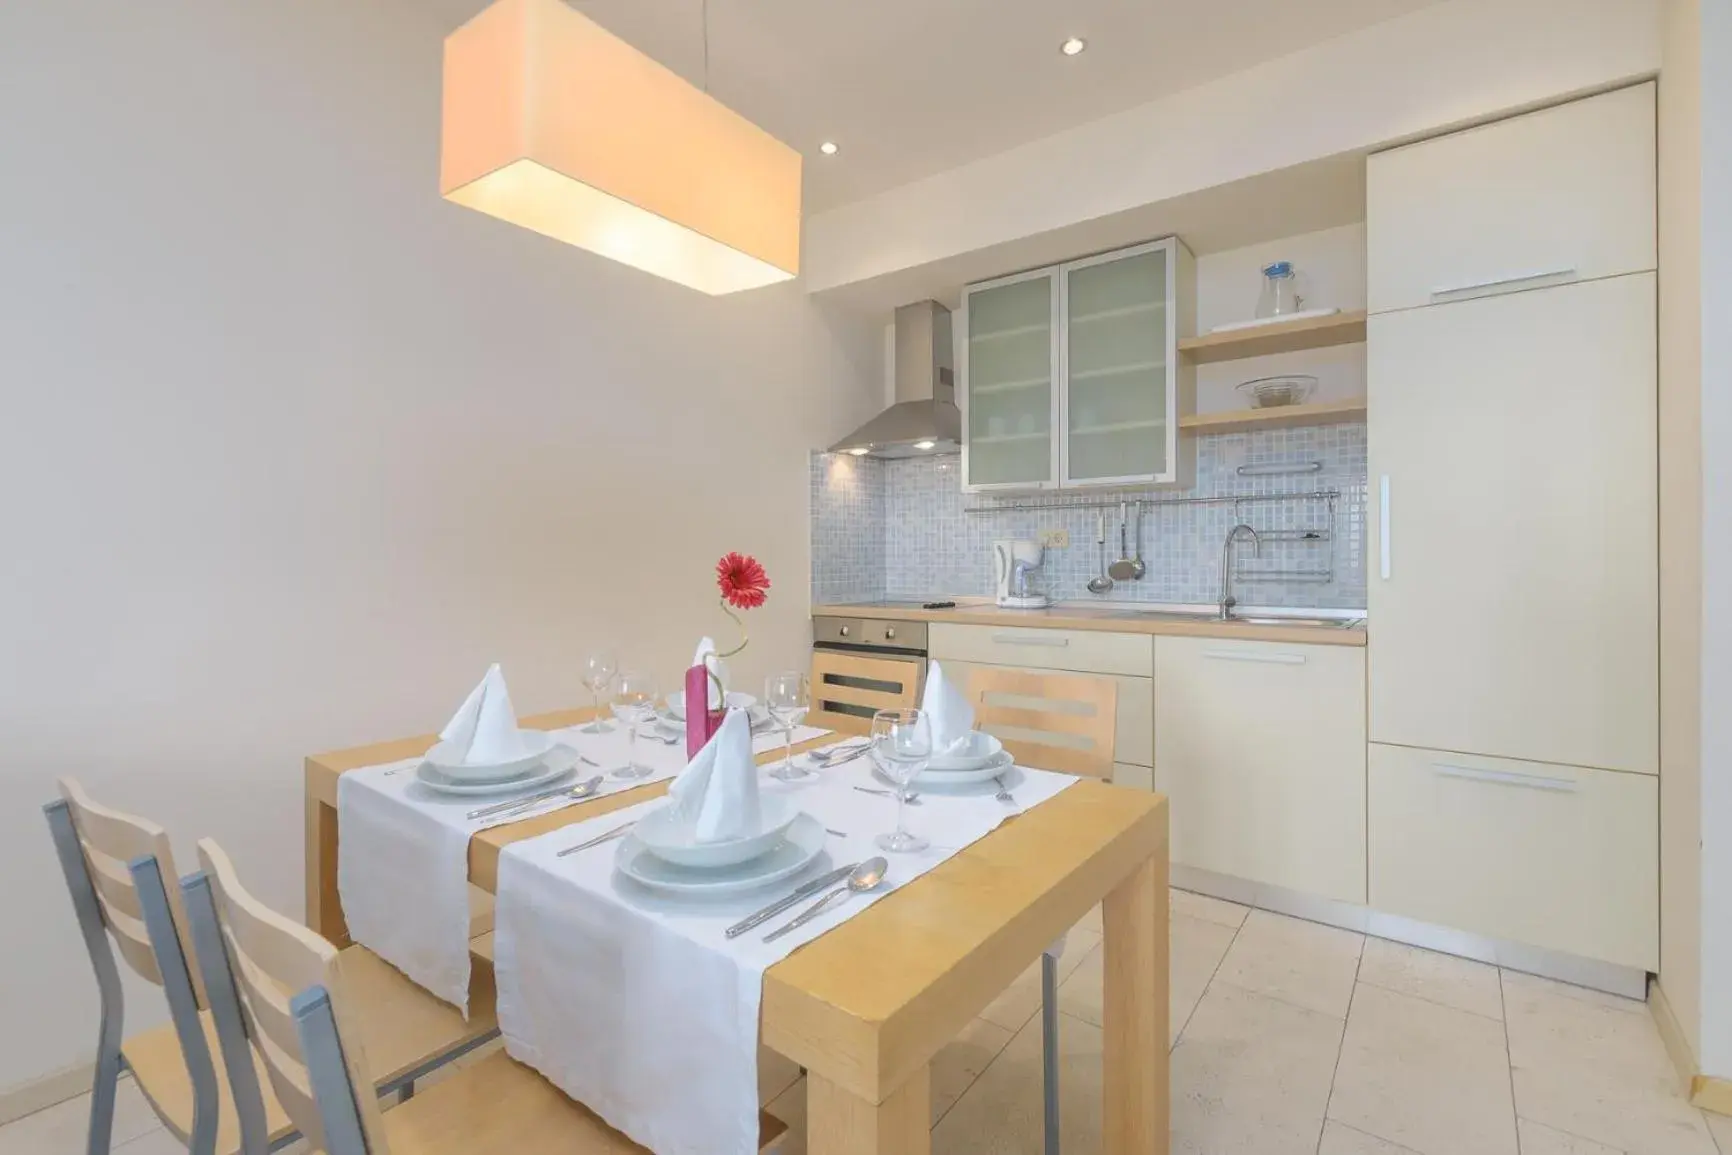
1059	503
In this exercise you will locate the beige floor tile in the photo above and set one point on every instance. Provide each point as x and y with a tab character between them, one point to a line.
1440	978
1593	1065
157	1142
1209	909
63	1129
1091	921
1538	1139
1196	951
1303	963
1012	1009
1425	1076
963	1059
1251	1076
1002	1114
1340	1139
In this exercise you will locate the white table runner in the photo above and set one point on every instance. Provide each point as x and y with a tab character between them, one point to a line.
639	1007
403	851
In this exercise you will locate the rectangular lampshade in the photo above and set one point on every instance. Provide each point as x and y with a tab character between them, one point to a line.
555	124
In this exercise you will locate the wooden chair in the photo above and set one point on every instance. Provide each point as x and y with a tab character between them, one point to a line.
119	870
300	1012
1062	722
847	689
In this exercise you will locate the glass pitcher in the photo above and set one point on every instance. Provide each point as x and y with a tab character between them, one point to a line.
1280	291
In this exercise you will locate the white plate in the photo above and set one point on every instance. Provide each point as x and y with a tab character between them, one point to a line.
536	742
671	839
558	762
674	725
995	766
735	701
982	749
803	843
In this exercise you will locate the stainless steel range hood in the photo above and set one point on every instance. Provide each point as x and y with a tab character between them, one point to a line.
924	418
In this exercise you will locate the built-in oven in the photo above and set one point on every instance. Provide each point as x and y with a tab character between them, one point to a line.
903	643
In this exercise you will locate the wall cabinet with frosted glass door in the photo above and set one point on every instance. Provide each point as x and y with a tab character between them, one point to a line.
1071	376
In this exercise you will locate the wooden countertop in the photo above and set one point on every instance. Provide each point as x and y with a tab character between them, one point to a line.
1105	619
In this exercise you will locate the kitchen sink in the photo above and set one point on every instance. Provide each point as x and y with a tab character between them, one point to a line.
1311	623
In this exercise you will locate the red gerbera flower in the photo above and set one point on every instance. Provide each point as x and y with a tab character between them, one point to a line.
743	582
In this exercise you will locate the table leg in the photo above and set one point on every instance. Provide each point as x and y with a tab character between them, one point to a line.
324	904
1134	1060
840	1123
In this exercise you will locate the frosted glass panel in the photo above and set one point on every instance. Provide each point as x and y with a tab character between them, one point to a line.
1010	383
1118	368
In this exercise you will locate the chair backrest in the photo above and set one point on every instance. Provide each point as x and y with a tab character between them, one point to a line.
275	960
847	689
1062	722
110	841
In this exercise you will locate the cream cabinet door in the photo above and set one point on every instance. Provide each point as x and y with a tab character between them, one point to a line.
1260	748
1514	528
1558	857
1085	651
1554	196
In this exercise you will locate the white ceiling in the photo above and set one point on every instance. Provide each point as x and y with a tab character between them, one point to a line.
909	88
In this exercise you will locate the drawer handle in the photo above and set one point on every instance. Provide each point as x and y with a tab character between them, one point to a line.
1383	526
1252	656
1501	284
1507	778
1015	640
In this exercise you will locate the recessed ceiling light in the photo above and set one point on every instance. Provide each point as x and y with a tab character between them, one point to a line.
828	148
924	444
860	451
1073	46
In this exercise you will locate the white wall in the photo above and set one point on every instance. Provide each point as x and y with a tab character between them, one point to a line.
1680	416
1329	268
1441	66
291	448
1716	366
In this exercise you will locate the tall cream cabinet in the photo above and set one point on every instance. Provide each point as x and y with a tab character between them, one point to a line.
1513	542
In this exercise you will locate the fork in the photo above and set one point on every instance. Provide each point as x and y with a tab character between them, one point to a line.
908	796
1004	794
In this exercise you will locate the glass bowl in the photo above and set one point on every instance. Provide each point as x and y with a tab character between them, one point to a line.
1287	389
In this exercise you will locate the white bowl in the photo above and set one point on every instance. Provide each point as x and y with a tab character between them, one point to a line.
981	749
735	701
536	744
669	838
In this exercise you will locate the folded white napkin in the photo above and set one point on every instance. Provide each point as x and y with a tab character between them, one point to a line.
947	712
706	655
484	729
717	792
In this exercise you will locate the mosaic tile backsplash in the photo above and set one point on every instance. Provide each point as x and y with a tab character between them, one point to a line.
899	530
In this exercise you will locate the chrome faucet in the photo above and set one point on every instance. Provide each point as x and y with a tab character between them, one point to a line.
1228	601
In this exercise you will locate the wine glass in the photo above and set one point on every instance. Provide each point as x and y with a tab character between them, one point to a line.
599	668
787	700
901	746
634	703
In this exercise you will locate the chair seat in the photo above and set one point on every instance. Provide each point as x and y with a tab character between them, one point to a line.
403	1028
500	1105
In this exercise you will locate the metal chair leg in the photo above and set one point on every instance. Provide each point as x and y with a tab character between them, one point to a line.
173	965
1049	1048
108	1062
225	1009
322	1052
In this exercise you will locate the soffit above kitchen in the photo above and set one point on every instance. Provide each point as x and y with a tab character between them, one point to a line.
909	88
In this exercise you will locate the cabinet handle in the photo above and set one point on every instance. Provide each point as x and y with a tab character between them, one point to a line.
1506	778
1014	640
1383	526
1454	292
1254	656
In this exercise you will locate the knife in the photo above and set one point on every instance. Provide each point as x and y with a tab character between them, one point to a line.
525	802
777	907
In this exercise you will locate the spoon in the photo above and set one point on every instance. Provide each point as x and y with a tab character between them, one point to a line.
500	809
843	750
865	877
1103	583
1123	569
1138	569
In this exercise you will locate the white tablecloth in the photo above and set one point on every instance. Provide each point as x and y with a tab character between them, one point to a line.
403	851
639	1007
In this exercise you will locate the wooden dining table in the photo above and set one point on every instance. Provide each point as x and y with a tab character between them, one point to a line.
866	1007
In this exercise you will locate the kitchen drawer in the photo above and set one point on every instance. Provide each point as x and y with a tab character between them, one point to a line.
1260	746
1083	651
1134	737
1552	856
1562	194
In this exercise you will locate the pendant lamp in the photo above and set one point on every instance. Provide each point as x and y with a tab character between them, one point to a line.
558	126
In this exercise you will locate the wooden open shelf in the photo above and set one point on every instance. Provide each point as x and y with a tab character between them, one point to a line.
1237	420
1285	337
